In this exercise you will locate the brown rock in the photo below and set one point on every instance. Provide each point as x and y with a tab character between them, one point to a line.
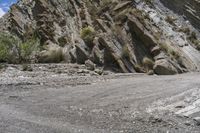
164	67
90	65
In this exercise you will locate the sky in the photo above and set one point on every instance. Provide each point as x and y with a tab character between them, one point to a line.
4	6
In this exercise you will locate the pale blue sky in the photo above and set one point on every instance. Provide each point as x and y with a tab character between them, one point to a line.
4	6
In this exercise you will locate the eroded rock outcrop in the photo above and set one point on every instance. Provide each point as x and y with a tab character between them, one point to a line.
189	8
123	34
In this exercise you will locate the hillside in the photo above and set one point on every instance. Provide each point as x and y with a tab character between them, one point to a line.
100	66
123	36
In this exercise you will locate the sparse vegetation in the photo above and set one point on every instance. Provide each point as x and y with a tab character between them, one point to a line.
105	2
193	36
125	51
63	41
194	39
171	20
169	50
88	34
138	68
26	67
148	63
6	43
150	2
185	30
28	50
12	50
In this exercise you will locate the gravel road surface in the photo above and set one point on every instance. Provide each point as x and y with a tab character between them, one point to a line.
73	100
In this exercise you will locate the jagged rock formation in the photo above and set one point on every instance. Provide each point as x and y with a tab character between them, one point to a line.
126	32
189	8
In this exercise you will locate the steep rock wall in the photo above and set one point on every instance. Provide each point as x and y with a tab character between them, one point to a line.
126	33
189	8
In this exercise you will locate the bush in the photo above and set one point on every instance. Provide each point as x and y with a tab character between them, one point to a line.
148	63
88	34
26	67
7	43
185	30
192	37
171	20
150	2
12	50
170	51
138	68
28	50
125	51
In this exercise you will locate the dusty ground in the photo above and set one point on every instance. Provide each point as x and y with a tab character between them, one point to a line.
68	99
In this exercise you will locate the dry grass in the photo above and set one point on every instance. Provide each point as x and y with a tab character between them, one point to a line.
148	63
171	20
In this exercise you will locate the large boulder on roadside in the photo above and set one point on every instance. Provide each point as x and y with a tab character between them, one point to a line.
164	67
52	54
90	65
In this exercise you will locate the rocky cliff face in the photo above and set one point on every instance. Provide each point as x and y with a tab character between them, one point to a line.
189	8
126	36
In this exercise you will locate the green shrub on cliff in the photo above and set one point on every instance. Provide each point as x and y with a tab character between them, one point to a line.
6	46
88	34
12	50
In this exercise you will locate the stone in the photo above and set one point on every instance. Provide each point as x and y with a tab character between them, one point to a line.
150	72
164	67
197	120
99	71
155	50
52	54
90	65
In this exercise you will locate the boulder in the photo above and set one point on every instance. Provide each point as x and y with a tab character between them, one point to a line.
52	54
164	67
90	65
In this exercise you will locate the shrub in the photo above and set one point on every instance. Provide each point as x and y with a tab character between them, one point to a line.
88	34
63	41
3	52
28	50
150	2
26	67
138	68
169	50
185	30
173	53
148	63
7	43
125	51
192	37
170	20
12	50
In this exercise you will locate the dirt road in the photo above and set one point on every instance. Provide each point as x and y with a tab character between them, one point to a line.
48	100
